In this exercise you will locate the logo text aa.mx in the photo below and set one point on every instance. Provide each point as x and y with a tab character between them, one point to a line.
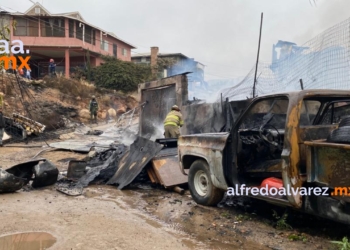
16	48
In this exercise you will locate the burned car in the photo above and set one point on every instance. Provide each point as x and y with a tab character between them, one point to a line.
290	140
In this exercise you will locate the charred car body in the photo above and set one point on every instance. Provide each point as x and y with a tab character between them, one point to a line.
291	140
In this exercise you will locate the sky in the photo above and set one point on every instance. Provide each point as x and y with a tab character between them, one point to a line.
221	34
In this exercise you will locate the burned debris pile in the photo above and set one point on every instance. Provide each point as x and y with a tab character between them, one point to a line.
21	126
140	153
121	165
117	164
98	170
41	172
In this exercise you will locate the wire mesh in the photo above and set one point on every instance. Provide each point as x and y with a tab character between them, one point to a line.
322	63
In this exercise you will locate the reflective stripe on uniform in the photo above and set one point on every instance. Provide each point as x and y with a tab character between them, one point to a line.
172	119
170	123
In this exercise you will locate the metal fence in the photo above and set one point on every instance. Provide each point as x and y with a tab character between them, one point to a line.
322	63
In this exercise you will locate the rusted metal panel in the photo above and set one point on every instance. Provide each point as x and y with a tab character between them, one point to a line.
315	132
209	147
203	118
168	171
159	103
132	163
323	143
329	164
292	154
161	95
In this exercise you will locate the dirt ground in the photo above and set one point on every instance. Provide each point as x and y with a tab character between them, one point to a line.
148	217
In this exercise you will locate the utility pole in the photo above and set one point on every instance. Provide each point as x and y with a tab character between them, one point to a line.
257	59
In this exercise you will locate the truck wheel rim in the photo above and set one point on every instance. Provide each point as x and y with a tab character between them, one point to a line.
201	183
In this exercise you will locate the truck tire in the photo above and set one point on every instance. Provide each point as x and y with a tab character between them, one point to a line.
201	187
340	135
345	121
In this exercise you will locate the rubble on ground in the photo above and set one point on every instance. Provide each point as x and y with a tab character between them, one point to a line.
99	169
40	171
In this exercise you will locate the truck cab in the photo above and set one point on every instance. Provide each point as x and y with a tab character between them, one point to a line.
273	142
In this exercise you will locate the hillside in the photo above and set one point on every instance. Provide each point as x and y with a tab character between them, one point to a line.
53	101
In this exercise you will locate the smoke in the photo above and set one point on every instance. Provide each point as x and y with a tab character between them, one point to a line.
198	88
158	132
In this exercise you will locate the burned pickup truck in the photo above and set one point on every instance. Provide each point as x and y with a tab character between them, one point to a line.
287	141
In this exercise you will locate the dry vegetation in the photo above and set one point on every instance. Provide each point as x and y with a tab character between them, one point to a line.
51	99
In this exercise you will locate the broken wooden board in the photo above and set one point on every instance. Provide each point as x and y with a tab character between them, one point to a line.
152	175
132	163
168	171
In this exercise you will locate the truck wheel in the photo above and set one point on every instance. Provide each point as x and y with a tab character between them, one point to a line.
202	189
340	135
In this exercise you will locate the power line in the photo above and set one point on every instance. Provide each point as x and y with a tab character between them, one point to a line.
222	76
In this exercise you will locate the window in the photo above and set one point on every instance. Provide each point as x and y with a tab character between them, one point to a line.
114	50
308	112
26	27
268	111
334	112
88	34
52	27
93	37
71	28
143	59
37	10
78	31
124	52
104	45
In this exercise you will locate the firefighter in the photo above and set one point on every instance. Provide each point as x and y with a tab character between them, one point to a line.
93	107
172	122
2	125
52	68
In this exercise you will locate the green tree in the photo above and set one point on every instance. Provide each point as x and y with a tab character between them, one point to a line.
5	32
120	75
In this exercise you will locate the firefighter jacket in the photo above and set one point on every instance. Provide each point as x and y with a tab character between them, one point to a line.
174	118
93	107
